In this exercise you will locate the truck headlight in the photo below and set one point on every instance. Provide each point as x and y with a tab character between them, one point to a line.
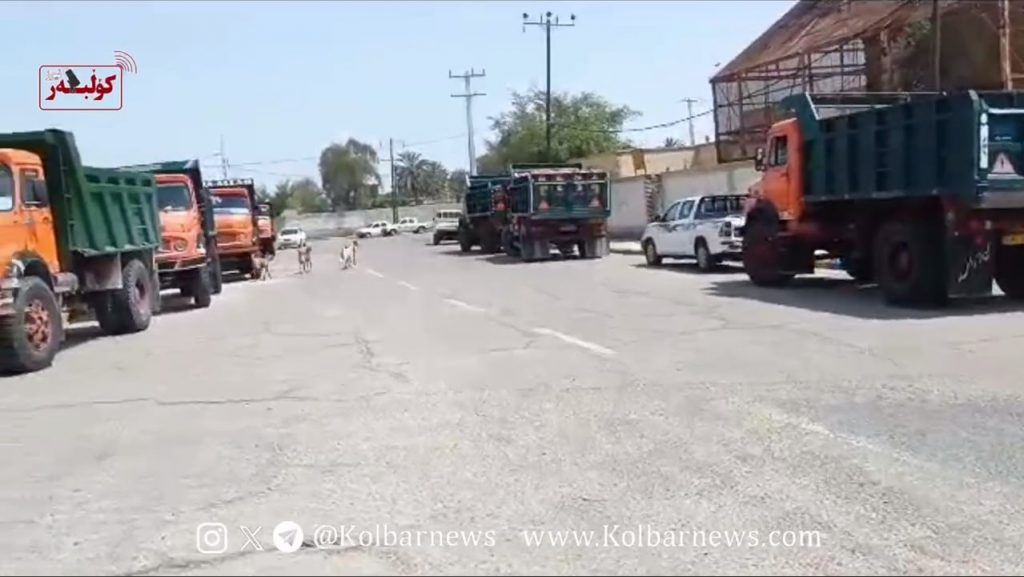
725	230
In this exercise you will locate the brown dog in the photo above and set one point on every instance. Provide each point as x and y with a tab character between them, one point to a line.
261	267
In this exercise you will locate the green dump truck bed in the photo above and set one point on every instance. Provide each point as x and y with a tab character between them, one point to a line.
479	199
967	145
559	192
96	211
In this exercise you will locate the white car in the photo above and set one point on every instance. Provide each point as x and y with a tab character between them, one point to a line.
379	228
413	225
446	225
291	237
708	228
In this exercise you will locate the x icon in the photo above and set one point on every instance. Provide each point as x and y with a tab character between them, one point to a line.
250	537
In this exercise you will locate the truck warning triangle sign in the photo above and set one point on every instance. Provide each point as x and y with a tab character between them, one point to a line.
1003	168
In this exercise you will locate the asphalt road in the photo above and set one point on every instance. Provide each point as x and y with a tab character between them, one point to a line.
427	391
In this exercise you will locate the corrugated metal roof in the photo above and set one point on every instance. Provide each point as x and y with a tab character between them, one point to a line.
811	25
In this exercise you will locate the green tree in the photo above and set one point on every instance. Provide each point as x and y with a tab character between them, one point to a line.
349	175
457	183
582	125
407	175
306	196
433	180
278	199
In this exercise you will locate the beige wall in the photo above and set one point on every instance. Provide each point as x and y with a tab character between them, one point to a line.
657	160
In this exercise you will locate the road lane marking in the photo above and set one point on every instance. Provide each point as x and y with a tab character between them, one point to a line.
408	286
574	341
464	306
374	273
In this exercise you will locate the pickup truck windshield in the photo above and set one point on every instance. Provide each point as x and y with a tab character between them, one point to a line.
175	197
289	231
718	206
230	205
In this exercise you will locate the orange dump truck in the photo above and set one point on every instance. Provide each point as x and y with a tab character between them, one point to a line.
187	259
237	219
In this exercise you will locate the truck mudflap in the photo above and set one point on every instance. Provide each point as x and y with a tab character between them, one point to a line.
971	264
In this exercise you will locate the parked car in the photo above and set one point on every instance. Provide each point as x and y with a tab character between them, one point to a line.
708	228
379	228
291	237
413	225
446	225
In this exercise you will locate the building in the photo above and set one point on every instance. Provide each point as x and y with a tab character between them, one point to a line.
651	161
863	46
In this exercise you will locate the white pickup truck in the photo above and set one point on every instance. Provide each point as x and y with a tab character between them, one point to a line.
413	225
379	228
707	228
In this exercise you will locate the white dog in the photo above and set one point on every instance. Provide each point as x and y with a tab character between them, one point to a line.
347	258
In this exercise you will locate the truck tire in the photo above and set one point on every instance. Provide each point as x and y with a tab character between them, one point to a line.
32	335
651	253
216	276
437	239
1010	271
909	264
705	260
202	292
762	256
246	267
508	245
593	247
131	305
465	241
490	242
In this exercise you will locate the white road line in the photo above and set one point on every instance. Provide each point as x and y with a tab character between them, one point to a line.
408	286
464	306
574	341
374	273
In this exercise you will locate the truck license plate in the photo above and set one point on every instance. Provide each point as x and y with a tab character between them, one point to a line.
568	228
1013	239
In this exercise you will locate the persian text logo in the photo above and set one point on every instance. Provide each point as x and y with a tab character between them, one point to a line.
85	86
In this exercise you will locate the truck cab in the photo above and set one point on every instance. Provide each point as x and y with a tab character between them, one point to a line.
181	230
236	216
26	222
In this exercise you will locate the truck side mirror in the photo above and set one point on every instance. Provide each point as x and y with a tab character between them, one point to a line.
759	159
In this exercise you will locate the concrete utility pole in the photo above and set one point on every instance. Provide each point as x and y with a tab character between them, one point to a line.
548	24
468	95
689	113
1005	47
394	191
223	159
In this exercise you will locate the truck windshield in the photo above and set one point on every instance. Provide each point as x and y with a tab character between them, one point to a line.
230	204
718	206
174	197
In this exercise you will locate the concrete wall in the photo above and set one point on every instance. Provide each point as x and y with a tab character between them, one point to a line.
330	224
629	208
731	177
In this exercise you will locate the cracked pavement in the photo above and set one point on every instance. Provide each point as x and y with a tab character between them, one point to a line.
484	394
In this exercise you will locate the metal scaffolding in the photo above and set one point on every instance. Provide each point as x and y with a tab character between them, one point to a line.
861	46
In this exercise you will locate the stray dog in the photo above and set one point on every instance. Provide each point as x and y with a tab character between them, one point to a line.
261	267
305	258
347	258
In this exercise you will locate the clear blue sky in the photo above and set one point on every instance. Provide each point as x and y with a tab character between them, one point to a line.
282	80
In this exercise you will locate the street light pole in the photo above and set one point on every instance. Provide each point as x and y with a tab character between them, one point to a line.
548	23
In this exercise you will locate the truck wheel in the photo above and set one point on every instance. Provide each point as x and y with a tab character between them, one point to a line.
216	276
202	292
32	335
762	255
131	305
465	242
420	230
1010	271
246	267
908	264
593	248
437	239
507	245
651	253
705	261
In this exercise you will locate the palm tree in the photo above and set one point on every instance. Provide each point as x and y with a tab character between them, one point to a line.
409	173
672	143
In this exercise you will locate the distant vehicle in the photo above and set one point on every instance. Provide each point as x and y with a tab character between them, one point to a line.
486	213
379	228
237	219
446	225
413	225
291	237
706	228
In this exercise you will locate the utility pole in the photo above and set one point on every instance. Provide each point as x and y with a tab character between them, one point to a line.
689	113
223	159
548	24
937	46
469	94
394	191
1005	48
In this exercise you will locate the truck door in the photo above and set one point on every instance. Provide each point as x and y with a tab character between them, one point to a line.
35	202
775	182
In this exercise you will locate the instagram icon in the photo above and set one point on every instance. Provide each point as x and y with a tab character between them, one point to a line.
212	538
